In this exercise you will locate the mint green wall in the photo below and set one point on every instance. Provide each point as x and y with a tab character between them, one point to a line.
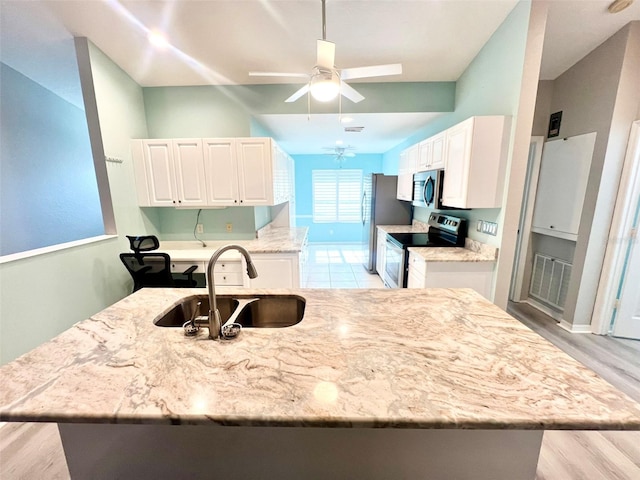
262	216
194	112
175	224
489	86
44	295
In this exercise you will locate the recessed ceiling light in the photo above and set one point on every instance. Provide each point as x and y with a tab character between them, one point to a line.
346	119
619	5
157	39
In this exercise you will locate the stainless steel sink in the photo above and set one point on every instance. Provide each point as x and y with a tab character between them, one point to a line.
270	311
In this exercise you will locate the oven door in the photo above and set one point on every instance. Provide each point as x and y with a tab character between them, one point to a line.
394	267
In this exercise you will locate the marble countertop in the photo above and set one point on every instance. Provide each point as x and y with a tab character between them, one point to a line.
395	358
271	240
473	251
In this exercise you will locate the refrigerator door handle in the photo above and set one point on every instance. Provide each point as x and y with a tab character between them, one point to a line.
362	207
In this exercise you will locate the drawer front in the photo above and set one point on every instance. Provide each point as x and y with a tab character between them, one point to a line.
181	266
228	267
228	278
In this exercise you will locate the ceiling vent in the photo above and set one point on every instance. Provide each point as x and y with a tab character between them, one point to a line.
353	129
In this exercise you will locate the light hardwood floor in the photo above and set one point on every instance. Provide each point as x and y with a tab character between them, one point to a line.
34	451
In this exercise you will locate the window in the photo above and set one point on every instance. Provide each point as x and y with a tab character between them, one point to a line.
336	196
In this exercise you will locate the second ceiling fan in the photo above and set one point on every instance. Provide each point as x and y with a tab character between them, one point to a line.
326	81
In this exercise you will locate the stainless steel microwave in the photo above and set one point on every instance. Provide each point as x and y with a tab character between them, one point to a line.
427	189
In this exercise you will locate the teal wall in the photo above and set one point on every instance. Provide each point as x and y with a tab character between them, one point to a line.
327	232
489	86
43	295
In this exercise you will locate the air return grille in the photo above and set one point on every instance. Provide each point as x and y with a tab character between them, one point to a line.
550	280
353	129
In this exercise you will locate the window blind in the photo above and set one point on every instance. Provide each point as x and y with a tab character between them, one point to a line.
336	195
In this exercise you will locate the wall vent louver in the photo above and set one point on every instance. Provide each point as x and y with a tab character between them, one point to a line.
550	280
353	129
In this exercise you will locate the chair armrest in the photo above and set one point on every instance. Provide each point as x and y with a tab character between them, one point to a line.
190	270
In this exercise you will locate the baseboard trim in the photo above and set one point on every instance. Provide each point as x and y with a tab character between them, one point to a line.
574	328
557	316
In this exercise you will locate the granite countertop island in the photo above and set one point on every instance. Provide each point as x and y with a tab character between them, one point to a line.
383	359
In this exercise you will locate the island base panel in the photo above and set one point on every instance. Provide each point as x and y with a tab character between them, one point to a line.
106	451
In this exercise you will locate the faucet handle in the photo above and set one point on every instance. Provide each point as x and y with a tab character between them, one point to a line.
231	330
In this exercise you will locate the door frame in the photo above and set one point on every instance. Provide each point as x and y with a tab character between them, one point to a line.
620	235
526	219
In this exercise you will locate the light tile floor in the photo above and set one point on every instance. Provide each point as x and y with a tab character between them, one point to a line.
339	266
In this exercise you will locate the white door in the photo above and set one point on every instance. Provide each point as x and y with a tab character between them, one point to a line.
627	323
189	170
221	171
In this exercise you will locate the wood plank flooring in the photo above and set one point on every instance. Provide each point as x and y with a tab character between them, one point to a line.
34	451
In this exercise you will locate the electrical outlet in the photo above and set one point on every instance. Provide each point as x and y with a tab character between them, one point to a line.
199	228
229	227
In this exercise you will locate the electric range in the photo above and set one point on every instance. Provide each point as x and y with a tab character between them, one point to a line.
444	231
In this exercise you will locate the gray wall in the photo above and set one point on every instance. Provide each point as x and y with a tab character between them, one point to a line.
599	94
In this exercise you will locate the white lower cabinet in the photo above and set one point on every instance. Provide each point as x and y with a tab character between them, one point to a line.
276	270
475	275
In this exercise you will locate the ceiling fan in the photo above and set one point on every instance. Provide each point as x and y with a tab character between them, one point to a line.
326	81
340	154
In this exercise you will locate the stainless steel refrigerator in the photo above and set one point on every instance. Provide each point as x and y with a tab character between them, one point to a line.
380	207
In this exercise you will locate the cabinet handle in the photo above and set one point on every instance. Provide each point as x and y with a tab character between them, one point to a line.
241	201
235	201
550	226
174	201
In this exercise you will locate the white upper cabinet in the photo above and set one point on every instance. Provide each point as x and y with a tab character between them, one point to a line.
169	173
211	172
437	151
407	166
475	154
189	173
431	153
221	166
255	171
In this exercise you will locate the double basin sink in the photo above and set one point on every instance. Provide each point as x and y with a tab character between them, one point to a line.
269	311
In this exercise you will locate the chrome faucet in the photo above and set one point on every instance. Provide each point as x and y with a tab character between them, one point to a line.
215	323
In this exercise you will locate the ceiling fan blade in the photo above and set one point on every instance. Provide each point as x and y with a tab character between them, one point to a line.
298	94
349	92
326	54
277	74
372	71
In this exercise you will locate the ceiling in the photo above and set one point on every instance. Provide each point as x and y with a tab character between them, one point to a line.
220	41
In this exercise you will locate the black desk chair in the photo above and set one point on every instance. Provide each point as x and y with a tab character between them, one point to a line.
152	269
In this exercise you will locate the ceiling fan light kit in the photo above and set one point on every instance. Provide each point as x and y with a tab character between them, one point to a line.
326	82
324	85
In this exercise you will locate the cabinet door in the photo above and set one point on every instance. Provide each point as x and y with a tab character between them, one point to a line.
275	270
425	155
437	151
458	151
255	171
221	171
405	178
189	173
413	158
158	164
